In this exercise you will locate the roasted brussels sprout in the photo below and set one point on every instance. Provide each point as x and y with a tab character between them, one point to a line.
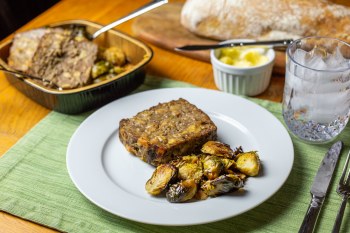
100	68
248	163
189	170
182	191
216	171
221	185
114	55
218	149
212	167
164	175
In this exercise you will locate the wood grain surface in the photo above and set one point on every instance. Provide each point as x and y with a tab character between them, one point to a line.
18	114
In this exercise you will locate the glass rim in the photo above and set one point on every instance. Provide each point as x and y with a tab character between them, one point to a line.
319	70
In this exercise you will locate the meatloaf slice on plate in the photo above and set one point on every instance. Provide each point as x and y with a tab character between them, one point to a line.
166	131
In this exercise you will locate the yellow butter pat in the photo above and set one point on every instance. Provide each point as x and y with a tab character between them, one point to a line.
244	56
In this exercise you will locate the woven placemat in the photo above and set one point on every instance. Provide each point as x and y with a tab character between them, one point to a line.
35	185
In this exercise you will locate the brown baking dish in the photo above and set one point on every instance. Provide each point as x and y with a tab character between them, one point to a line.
85	98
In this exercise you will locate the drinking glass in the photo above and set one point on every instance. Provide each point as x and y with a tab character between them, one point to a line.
316	99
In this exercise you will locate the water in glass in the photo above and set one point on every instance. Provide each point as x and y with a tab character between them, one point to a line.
316	99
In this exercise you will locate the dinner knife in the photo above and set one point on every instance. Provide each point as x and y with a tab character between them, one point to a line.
272	43
320	186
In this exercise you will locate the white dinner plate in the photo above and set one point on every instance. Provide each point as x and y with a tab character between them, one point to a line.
113	179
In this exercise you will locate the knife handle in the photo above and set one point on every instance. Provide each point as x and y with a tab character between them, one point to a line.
311	216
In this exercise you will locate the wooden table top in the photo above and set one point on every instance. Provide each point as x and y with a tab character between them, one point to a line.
18	114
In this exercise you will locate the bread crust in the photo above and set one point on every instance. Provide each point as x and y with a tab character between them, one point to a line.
266	19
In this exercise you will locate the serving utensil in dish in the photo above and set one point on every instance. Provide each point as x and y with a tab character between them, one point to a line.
272	43
21	75
137	12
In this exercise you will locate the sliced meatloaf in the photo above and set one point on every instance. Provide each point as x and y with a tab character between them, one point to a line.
58	55
62	60
23	48
166	131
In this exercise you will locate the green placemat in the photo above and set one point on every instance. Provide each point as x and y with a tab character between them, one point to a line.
35	185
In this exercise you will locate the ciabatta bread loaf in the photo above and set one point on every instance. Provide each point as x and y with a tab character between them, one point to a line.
266	19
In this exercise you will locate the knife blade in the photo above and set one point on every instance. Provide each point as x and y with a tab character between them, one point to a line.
273	43
320	186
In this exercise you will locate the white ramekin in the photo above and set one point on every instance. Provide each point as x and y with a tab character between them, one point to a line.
248	81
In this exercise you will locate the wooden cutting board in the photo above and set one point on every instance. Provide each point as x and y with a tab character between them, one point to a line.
162	28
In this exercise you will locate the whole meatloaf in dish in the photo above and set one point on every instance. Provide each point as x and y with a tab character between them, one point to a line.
166	131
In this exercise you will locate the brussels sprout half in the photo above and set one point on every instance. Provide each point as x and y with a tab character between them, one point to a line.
212	167
218	149
221	185
182	191
248	163
164	175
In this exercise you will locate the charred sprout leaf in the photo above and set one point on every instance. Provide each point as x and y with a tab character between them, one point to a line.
218	149
241	175
184	159
182	191
189	170
100	68
164	175
228	163
191	158
248	163
237	151
221	185
212	167
114	55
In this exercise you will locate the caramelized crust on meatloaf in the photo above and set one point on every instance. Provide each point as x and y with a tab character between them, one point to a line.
166	131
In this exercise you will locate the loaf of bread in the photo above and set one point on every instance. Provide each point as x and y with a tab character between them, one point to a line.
266	19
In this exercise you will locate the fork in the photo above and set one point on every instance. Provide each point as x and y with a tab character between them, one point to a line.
343	190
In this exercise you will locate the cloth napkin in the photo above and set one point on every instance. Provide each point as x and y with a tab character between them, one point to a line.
35	185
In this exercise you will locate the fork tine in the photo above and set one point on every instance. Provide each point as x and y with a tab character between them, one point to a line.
343	190
345	172
347	181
